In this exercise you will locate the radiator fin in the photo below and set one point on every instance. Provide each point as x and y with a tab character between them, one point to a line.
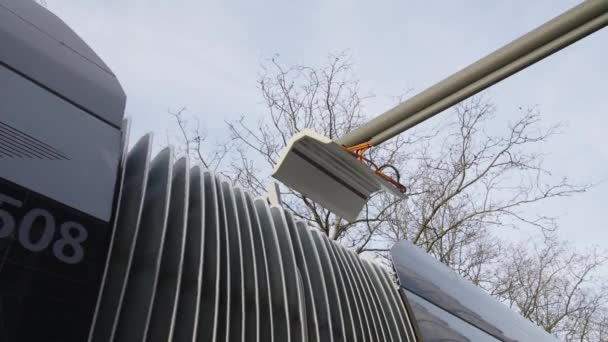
195	259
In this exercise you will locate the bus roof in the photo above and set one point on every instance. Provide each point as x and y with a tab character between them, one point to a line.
40	47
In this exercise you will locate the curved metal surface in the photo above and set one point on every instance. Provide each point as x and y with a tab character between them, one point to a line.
382	315
119	198
294	293
357	293
309	294
223	313
211	263
335	305
438	325
169	277
345	300
236	309
381	334
126	230
189	297
251	297
404	322
266	320
441	286
317	278
211	267
385	304
280	309
40	46
143	277
358	322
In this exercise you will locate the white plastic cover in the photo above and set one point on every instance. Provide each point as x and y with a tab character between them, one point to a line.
323	171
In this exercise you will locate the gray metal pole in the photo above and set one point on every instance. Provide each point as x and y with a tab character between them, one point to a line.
548	38
491	79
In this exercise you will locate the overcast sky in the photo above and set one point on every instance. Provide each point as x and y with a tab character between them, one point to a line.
205	55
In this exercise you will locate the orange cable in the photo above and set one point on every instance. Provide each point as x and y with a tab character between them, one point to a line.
358	151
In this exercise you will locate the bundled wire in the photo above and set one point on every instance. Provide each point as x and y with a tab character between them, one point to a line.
358	152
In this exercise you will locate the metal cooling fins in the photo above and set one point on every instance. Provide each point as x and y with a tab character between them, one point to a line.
195	259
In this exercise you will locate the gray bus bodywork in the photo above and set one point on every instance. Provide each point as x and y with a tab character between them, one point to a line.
101	244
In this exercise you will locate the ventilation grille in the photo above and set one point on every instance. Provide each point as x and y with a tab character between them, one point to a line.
195	259
17	144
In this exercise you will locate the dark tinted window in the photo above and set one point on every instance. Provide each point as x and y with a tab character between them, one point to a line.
436	324
423	275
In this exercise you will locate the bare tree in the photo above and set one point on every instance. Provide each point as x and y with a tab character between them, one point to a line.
466	178
461	180
193	141
325	99
555	287
464	183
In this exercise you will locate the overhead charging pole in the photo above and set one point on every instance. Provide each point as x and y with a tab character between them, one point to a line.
325	170
558	33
